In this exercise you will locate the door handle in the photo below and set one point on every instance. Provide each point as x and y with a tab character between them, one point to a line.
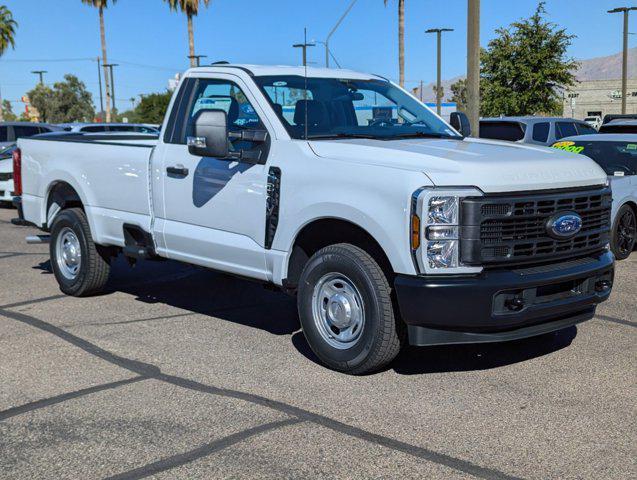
177	171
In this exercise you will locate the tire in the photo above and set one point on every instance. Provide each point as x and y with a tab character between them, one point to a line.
346	312
81	273
624	234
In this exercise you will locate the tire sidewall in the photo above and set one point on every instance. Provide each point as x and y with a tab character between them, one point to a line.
71	220
316	268
622	210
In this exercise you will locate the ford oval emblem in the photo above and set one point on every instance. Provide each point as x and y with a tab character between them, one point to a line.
564	225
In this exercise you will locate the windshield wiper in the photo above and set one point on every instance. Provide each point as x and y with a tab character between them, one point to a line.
335	136
426	135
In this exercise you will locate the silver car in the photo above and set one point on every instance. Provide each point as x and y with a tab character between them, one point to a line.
617	155
537	130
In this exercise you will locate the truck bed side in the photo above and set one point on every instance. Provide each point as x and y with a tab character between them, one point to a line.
111	177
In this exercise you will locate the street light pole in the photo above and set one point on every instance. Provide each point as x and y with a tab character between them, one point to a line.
473	66
338	24
110	69
304	46
99	81
438	32
40	73
625	11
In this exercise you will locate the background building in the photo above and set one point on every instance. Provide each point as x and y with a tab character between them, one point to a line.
599	97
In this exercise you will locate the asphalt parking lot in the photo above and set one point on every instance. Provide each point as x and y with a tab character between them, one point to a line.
179	372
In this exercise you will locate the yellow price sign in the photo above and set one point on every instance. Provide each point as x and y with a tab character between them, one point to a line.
568	146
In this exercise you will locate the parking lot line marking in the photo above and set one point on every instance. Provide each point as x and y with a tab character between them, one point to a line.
152	371
202	451
47	402
616	320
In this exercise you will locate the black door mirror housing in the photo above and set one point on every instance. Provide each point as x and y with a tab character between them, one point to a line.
460	122
210	137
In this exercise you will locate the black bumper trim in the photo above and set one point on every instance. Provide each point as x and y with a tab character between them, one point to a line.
423	336
479	304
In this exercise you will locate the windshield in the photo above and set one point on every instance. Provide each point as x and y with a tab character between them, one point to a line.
614	157
343	108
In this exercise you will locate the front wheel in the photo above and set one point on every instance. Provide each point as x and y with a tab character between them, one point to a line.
624	232
346	312
81	268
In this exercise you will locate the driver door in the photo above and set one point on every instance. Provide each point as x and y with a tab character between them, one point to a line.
213	211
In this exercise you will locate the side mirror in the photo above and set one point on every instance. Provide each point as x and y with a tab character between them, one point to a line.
460	122
210	134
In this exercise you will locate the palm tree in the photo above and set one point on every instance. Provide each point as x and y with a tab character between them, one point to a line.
7	29
101	5
191	9
401	40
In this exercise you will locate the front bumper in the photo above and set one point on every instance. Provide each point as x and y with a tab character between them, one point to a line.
500	305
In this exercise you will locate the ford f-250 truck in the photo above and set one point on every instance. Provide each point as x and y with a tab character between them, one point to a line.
389	225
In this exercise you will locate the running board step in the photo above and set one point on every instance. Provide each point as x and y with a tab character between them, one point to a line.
38	239
136	251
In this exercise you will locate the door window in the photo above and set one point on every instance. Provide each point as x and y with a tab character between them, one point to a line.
541	132
500	130
565	129
4	135
20	131
223	95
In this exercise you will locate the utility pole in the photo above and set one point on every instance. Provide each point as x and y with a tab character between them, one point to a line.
438	32
473	66
197	58
421	87
110	69
99	81
338	24
304	46
625	11
40	73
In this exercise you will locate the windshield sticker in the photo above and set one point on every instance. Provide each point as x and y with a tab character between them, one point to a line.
569	147
279	84
631	146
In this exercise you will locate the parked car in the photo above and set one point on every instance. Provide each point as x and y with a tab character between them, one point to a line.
109	127
537	130
617	155
594	121
609	117
10	132
619	126
6	174
387	230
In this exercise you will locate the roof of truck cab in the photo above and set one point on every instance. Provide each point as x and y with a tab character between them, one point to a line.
267	70
602	137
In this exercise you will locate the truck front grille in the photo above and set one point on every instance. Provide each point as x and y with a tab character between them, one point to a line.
513	229
6	176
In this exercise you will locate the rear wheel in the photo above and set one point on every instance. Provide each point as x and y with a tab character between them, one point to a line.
81	268
346	312
624	232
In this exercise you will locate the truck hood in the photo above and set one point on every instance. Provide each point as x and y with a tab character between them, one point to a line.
492	166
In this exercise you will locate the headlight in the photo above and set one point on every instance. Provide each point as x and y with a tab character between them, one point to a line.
436	243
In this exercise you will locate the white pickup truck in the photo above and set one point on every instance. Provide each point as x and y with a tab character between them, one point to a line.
388	224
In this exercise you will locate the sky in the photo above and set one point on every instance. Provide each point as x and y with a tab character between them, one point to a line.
150	42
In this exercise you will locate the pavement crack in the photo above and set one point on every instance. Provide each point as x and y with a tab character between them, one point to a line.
47	402
174	461
152	371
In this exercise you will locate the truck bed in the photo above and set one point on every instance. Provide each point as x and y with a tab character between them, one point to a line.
110	174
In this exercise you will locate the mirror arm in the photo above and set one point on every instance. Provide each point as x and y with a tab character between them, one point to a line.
247	156
257	136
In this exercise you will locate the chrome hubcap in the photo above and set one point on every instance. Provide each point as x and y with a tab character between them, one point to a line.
68	253
338	312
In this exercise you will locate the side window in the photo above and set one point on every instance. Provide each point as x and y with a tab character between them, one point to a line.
20	131
541	132
93	129
4	134
565	129
227	96
585	129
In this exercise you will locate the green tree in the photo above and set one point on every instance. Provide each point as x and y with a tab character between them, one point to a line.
401	40
101	5
525	67
7	112
191	9
67	101
7	29
459	94
151	108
